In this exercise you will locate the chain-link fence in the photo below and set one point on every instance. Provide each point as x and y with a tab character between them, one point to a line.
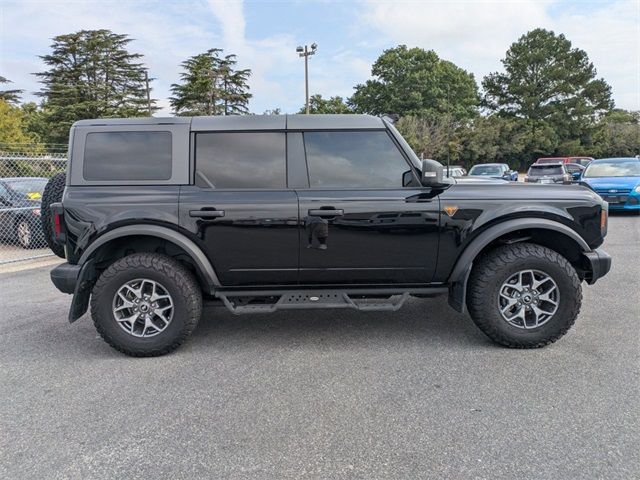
22	180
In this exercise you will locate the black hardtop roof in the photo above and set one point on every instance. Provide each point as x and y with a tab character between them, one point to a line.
251	122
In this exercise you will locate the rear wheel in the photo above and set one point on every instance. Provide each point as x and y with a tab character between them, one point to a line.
52	194
524	295
25	234
146	304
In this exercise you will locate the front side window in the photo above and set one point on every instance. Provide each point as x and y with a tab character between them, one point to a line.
343	159
241	160
131	156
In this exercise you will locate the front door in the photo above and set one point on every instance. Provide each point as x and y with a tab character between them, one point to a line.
240	210
359	224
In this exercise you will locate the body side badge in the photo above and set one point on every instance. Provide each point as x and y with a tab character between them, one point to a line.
450	210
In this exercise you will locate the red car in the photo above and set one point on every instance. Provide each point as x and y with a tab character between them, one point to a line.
584	161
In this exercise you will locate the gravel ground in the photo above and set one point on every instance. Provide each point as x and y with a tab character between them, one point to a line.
336	394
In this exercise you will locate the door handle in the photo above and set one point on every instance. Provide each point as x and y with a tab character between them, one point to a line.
326	212
206	213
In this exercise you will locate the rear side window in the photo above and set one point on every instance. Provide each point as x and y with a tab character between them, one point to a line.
127	156
353	160
241	160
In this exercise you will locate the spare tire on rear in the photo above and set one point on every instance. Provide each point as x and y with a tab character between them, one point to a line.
52	194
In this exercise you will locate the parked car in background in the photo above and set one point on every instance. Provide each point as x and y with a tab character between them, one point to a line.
494	170
454	171
616	180
584	161
20	211
547	173
575	170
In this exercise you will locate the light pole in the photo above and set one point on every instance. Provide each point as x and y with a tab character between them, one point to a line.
306	52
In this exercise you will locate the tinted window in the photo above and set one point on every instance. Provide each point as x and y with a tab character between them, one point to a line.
241	160
353	160
550	170
486	170
127	156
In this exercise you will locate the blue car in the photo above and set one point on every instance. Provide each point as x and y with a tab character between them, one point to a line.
616	180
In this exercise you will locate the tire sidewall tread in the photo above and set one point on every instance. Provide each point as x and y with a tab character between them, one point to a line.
496	267
179	282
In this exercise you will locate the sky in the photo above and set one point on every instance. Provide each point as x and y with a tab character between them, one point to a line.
474	34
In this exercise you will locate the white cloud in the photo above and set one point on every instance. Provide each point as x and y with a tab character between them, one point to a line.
476	34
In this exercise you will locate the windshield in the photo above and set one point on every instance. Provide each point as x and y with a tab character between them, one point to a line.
550	170
486	170
613	169
28	188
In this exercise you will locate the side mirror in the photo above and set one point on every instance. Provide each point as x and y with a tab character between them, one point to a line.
576	175
432	173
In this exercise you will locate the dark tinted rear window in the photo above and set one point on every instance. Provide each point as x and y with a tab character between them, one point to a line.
546	170
127	156
353	160
241	160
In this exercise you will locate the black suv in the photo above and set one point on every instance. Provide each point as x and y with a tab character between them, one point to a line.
263	213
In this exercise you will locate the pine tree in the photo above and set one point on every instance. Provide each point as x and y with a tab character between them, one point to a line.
92	75
210	85
9	96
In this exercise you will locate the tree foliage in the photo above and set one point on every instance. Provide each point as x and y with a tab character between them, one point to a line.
91	74
318	104
413	81
9	96
210	85
547	80
14	136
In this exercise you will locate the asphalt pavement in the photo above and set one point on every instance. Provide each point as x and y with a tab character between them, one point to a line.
419	393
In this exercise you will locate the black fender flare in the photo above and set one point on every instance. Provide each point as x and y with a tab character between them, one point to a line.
202	263
460	274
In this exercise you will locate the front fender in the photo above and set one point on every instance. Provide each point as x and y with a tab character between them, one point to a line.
457	280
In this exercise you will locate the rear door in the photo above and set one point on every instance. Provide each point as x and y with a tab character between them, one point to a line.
364	218
240	209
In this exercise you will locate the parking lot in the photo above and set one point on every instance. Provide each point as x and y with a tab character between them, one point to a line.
325	394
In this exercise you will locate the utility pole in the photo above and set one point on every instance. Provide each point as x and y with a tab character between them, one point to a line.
306	52
146	81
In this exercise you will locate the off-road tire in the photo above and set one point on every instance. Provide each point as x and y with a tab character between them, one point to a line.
52	194
495	267
178	281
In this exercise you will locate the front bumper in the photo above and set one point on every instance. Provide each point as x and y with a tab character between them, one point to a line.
600	264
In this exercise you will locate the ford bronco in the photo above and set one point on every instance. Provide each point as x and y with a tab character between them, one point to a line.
266	213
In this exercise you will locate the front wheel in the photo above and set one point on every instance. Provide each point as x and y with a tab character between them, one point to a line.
524	295
146	304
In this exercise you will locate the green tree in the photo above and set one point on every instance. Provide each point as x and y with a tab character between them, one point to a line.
547	80
91	75
210	85
318	104
13	135
413	81
618	135
9	96
434	138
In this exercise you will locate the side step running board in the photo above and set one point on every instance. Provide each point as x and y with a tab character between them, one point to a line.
239	302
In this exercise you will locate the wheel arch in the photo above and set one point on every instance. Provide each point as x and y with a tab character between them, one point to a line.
545	232
148	238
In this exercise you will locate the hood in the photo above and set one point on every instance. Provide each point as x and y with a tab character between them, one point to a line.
606	183
478	179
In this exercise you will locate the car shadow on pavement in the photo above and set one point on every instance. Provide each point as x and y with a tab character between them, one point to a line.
420	321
